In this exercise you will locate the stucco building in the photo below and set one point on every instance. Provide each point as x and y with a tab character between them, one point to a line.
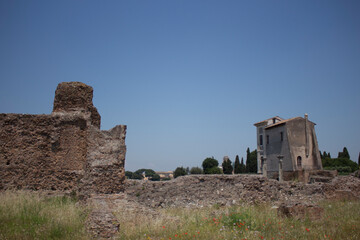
293	140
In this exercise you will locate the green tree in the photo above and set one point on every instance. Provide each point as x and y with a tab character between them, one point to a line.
242	166
128	174
359	160
179	171
136	175
237	168
227	166
247	160
344	154
251	161
214	170
196	170
209	163
326	155
155	177
148	172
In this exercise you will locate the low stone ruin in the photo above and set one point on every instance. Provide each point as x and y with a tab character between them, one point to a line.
64	151
206	190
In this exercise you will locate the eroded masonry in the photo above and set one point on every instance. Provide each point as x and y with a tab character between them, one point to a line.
65	150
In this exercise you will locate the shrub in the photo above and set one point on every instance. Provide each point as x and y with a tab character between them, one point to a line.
155	177
179	171
339	162
196	170
340	169
214	170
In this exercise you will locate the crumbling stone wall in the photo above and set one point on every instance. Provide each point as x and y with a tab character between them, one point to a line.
64	150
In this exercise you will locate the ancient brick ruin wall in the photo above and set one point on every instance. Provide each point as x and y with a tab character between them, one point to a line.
41	151
62	151
105	172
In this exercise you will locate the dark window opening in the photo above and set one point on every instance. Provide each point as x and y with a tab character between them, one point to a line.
299	161
267	139
274	120
261	140
281	136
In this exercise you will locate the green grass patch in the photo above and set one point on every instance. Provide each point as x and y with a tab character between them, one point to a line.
27	215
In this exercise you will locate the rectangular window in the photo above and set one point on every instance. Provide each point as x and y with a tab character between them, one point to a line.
261	140
281	136
267	139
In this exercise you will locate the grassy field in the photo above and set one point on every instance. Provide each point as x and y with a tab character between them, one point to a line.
27	215
341	221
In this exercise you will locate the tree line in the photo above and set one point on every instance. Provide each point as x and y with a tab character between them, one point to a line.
343	164
210	165
140	173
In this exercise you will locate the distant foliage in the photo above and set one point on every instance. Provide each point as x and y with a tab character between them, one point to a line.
339	162
148	172
325	155
210	163
343	163
133	175
227	166
196	170
251	161
179	171
155	177
344	154
137	176
237	168
214	170
128	174
242	166
340	169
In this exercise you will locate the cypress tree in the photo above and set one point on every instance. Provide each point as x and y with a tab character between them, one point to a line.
237	168
247	168
346	153
242	166
227	166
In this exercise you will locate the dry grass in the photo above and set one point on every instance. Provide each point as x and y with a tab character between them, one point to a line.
341	221
27	215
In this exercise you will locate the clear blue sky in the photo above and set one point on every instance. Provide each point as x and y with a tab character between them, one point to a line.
188	77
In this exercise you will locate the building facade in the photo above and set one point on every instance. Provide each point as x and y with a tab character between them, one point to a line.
292	140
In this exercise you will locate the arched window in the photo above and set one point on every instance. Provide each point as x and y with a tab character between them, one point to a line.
299	161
